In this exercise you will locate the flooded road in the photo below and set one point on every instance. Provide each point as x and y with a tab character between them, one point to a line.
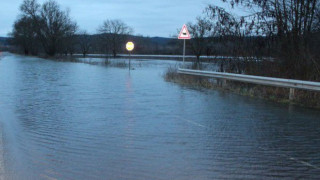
63	120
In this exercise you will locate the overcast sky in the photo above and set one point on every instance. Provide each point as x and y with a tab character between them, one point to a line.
147	17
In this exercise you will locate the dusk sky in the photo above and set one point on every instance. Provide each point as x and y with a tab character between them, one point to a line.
147	17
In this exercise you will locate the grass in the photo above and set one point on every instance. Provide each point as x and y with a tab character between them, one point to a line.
277	94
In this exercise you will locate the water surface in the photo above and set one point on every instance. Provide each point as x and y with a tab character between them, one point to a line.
65	120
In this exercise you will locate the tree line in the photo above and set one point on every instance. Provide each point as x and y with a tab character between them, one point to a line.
49	29
274	38
286	31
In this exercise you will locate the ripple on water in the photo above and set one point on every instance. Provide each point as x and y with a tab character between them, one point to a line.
79	121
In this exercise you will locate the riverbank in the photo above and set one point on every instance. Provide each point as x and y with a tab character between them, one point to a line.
188	58
141	56
302	97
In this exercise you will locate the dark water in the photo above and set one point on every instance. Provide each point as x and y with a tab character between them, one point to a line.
80	121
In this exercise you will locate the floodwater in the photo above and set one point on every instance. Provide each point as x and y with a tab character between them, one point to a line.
62	120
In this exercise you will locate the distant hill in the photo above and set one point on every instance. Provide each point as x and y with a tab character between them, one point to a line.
154	40
4	41
144	45
157	40
161	40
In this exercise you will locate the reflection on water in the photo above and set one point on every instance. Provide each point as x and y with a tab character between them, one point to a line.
80	121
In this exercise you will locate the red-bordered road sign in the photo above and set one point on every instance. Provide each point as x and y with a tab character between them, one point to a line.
184	33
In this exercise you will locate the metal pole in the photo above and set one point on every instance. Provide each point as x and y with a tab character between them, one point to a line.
291	94
184	51
129	60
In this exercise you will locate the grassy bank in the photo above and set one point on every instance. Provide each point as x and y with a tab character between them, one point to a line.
302	97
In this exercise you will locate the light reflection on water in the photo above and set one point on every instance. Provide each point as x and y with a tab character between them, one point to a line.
80	121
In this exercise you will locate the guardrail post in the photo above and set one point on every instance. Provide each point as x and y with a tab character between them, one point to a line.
224	83
291	94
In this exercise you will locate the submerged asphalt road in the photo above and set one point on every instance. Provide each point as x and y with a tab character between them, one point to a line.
80	121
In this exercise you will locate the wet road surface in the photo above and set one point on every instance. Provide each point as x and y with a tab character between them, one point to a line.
65	120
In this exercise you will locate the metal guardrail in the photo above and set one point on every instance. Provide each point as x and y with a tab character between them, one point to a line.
278	82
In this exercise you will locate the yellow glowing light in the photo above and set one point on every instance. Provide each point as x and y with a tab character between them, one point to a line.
130	46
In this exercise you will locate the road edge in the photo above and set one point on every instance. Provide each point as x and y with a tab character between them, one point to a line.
1	154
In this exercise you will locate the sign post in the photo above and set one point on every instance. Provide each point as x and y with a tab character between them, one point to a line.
184	34
129	47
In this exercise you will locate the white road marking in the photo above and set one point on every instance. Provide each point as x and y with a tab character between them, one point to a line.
303	162
295	159
186	120
191	122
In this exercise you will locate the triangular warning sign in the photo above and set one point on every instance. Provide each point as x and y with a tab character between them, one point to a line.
184	33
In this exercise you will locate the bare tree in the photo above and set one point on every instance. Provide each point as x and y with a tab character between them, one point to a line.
114	32
69	43
281	17
30	8
316	24
289	25
84	42
53	25
24	35
200	33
